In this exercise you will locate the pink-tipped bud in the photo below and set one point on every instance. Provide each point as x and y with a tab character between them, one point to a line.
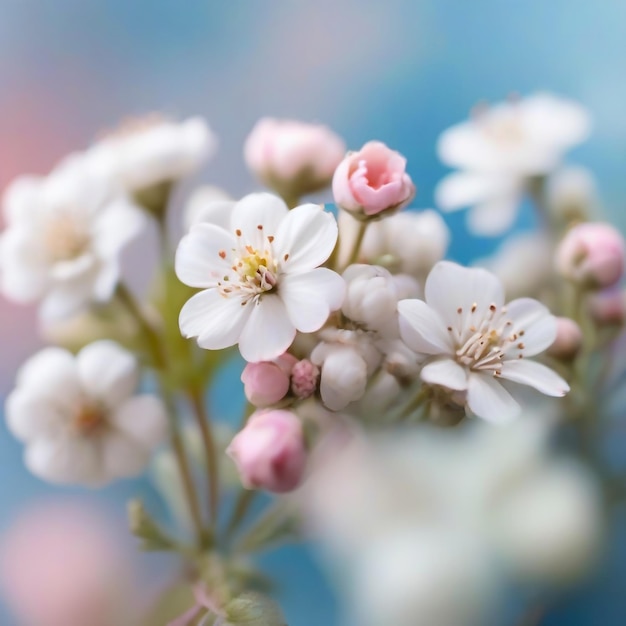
569	339
608	308
293	158
372	181
592	254
304	379
269	452
267	382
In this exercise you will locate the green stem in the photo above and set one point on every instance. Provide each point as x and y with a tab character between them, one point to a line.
356	246
210	450
242	505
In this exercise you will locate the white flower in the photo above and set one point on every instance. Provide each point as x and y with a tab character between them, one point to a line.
572	193
63	239
260	277
499	149
475	341
152	151
409	243
78	417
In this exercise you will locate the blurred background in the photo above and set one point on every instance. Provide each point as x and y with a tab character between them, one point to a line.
400	71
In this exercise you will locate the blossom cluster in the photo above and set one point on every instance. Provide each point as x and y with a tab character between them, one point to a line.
348	317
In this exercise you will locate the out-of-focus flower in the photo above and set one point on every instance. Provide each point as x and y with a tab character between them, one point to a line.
78	417
208	204
548	527
270	452
407	243
63	239
608	308
520	263
475	341
293	158
372	181
592	255
60	566
268	382
346	362
500	149
371	299
260	277
569	339
153	151
424	526
571	194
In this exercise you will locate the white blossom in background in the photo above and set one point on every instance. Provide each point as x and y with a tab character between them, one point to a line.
148	152
260	278
571	193
410	242
522	264
208	204
476	341
79	418
426	526
63	239
499	150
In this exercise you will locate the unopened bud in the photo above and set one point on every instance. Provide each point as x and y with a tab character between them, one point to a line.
569	339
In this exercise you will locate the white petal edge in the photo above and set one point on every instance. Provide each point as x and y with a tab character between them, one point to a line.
488	399
447	373
535	375
422	329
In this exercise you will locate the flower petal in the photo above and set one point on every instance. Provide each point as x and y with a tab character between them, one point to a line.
535	375
447	373
494	216
122	457
115	227
308	236
268	331
217	321
462	189
450	287
309	297
258	209
534	323
29	416
488	399
422	329
203	256
142	419
108	372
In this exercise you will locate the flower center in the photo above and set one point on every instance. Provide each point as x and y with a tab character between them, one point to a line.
485	340
254	268
65	238
506	130
89	419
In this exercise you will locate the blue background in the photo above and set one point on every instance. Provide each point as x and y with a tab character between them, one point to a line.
396	70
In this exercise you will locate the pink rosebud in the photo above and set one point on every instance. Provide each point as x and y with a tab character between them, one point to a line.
569	339
608	308
293	158
592	254
267	382
304	379
269	452
372	181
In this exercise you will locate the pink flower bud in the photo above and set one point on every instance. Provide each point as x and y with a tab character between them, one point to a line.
304	378
592	254
269	452
608	308
372	181
267	382
292	157
569	339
